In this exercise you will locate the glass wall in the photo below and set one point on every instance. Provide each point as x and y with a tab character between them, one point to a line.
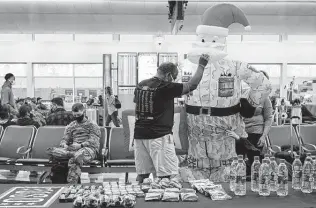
147	65
299	79
73	82
274	73
20	72
54	80
88	81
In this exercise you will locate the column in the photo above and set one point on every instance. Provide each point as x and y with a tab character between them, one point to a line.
29	80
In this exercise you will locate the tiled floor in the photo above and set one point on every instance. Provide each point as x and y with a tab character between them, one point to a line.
24	177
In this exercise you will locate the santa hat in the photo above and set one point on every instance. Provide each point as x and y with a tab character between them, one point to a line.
217	19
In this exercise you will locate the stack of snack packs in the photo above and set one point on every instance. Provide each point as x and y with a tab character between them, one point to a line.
108	195
209	189
167	190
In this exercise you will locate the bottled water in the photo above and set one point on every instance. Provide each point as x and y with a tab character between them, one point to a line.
255	167
274	176
296	173
307	176
233	174
309	155
264	177
314	171
283	188
242	158
267	157
240	189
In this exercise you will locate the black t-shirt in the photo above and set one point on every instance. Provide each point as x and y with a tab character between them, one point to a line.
154	111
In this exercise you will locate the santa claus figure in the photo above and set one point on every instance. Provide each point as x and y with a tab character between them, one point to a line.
216	109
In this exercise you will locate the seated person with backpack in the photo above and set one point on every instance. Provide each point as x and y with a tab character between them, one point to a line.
80	144
112	105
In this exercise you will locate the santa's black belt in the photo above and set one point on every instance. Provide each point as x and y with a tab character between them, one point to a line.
220	112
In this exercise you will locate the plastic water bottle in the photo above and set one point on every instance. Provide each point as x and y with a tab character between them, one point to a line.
296	173
283	188
255	167
314	172
274	174
240	189
307	176
242	158
264	177
233	174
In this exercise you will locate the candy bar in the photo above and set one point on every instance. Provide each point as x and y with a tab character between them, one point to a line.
91	202
62	198
104	201
220	196
153	197
170	197
174	190
129	201
164	183
156	191
70	198
188	197
145	188
78	202
187	190
155	186
117	200
147	181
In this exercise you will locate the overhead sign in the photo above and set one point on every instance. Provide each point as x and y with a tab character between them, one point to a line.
30	196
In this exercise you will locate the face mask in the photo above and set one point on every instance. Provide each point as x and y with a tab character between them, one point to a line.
79	118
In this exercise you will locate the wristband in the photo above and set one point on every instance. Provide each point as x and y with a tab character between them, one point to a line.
82	145
202	65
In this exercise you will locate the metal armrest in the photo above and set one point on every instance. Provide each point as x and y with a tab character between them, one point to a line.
310	146
22	151
105	154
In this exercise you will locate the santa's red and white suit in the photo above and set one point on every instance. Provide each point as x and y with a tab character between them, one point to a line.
214	107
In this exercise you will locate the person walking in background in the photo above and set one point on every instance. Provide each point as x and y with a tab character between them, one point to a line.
59	116
7	96
112	111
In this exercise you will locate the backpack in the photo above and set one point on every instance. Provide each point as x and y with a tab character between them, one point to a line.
117	103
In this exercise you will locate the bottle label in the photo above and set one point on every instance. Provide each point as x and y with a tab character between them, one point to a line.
255	176
297	168
265	180
241	179
282	179
297	174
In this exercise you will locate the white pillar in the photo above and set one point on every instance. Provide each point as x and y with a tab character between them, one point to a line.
29	80
283	80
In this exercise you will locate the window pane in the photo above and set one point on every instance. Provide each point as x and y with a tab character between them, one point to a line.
88	70
274	73
84	87
114	81
53	70
273	70
300	74
16	69
127	69
48	88
168	57
147	65
20	89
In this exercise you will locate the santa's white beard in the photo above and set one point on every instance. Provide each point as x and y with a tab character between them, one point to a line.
216	52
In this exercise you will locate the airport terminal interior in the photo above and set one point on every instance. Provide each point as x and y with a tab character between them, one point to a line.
75	49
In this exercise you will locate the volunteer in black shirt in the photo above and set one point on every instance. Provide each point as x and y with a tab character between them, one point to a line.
154	98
